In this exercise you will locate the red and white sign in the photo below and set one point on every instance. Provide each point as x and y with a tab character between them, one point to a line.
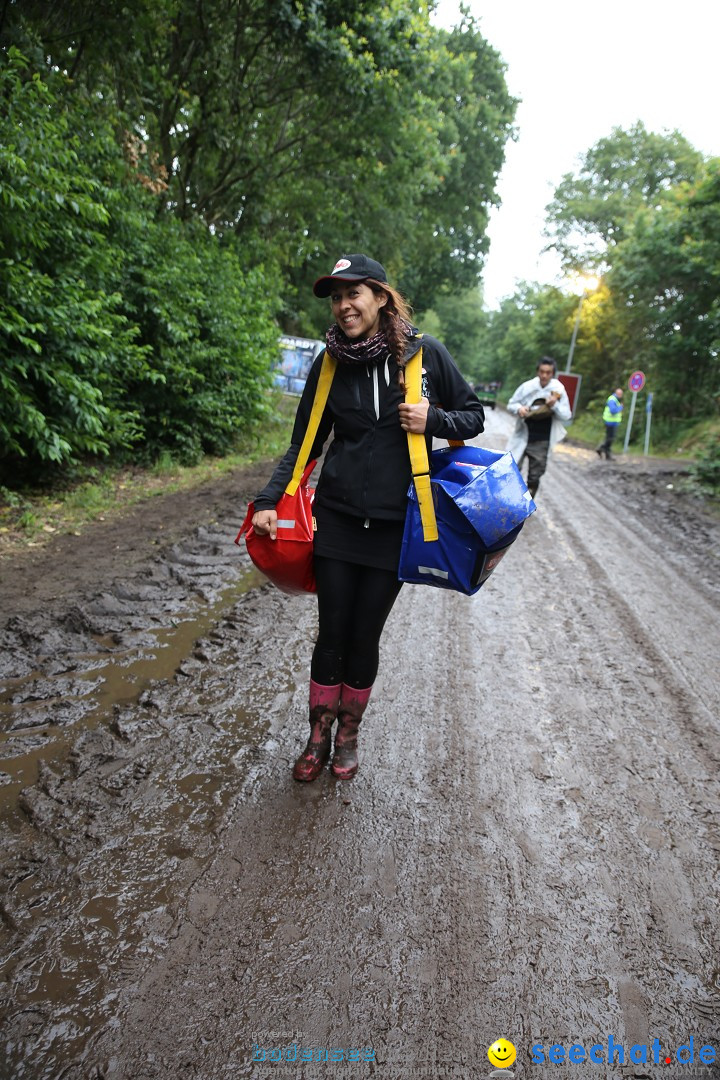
571	382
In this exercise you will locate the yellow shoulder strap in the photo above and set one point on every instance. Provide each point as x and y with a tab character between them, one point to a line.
327	371
418	451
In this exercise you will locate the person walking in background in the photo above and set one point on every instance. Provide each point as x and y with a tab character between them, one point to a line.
612	415
542	408
361	496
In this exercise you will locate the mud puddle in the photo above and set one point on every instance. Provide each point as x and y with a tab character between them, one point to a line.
101	850
42	711
538	784
116	767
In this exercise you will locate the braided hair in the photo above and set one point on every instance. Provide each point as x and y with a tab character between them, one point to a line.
395	323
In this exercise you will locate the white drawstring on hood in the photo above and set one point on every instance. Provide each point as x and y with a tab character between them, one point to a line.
376	387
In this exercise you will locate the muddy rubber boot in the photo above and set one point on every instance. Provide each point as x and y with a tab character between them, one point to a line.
350	712
324	701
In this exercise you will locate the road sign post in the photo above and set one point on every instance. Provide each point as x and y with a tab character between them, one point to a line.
648	418
635	383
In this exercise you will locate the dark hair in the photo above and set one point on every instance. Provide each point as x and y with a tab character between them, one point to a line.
547	360
395	320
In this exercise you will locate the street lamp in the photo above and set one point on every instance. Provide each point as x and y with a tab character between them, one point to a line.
589	284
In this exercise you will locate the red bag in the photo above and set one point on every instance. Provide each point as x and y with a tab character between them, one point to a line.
288	560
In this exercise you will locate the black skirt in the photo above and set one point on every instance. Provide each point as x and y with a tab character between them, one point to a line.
343	536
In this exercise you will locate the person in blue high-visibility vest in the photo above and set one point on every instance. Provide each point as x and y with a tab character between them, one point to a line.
612	415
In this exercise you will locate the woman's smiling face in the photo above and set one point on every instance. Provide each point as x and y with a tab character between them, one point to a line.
356	309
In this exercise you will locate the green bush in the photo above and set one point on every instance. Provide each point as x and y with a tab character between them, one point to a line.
63	337
121	328
211	333
706	468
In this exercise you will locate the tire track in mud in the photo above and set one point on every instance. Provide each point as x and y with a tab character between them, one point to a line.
96	873
652	744
526	851
680	644
529	849
308	968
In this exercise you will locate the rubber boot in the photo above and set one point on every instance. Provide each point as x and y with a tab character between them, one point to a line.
532	488
324	701
350	712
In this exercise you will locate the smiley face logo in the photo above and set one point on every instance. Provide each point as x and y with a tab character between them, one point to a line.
501	1054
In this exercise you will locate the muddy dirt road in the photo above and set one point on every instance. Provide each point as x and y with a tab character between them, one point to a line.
530	849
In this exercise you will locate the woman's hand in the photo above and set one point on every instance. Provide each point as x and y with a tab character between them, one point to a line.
264	523
413	418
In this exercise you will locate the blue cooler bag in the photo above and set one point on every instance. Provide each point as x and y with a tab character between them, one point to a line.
481	503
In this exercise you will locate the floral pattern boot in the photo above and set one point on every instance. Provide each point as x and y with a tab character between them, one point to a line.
324	701
350	712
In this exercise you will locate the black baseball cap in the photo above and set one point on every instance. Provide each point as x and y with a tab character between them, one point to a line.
350	268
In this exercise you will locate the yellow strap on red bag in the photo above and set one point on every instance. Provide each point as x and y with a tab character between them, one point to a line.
417	446
288	560
327	373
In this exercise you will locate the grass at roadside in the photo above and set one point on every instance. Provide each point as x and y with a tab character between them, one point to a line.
683	439
31	519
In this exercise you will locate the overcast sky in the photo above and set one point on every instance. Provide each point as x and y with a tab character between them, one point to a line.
581	70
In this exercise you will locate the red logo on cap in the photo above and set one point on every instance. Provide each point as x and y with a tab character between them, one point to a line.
341	264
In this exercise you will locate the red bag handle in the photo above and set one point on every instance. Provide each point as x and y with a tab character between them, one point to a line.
308	470
251	508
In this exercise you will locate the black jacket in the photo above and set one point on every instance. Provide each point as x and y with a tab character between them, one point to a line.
366	471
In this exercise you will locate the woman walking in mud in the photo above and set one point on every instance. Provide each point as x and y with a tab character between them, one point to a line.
361	495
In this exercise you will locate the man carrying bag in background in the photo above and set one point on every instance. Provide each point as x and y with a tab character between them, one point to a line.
542	407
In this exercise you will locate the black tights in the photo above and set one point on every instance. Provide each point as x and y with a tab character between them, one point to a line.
353	605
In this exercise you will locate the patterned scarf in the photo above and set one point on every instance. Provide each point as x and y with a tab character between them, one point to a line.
367	351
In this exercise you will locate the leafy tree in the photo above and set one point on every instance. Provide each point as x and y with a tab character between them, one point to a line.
706	469
462	325
531	324
63	338
539	321
307	128
117	328
211	334
470	114
249	102
423	207
621	174
170	166
667	274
